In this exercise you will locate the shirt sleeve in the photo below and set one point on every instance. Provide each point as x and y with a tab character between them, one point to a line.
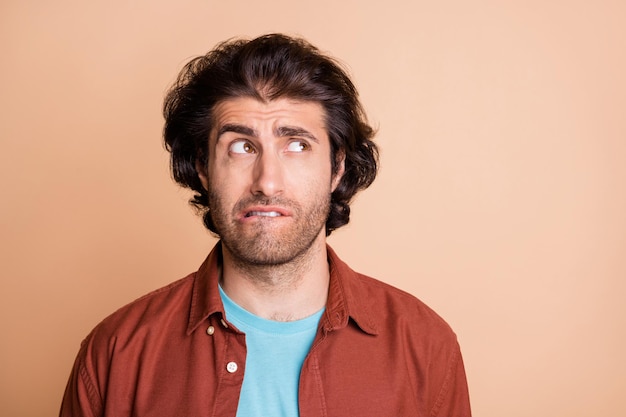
81	398
453	398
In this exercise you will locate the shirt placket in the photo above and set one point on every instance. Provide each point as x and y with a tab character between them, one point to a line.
231	364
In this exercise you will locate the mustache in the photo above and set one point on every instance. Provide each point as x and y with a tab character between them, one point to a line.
265	201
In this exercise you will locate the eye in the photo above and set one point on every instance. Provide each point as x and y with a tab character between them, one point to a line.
298	146
241	146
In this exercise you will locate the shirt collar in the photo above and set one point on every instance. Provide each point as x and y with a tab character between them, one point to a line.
347	298
205	295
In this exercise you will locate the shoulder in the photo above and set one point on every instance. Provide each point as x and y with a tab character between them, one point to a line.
379	306
110	357
392	304
166	306
423	341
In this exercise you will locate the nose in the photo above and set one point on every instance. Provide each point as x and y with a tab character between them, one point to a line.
268	175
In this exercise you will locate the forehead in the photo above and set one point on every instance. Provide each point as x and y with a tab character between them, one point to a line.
258	114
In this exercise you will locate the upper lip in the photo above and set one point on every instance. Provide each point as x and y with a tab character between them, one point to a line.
280	210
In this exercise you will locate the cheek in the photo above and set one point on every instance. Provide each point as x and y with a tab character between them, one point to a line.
229	185
313	182
223	171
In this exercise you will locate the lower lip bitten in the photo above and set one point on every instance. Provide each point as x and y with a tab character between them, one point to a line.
263	214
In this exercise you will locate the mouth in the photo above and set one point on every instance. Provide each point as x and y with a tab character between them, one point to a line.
263	214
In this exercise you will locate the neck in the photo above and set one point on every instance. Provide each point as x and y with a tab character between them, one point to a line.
285	292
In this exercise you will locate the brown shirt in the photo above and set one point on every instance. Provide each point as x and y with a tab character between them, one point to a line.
378	352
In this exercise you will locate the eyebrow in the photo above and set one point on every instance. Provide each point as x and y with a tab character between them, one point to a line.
295	131
236	128
281	131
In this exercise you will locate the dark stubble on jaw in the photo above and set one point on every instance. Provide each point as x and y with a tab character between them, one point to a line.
262	245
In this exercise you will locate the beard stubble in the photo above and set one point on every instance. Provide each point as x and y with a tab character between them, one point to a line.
266	243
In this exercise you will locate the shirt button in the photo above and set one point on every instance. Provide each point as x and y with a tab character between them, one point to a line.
224	323
210	330
231	367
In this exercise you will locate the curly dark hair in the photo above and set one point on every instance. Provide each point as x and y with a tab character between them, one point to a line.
266	68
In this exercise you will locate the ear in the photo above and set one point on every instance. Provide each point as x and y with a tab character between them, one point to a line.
340	158
202	174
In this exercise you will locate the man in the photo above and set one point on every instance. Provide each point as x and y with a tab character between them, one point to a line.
271	137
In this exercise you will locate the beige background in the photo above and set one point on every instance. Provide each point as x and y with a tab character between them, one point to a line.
501	201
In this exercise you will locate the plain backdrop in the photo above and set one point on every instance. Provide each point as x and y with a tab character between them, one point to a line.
501	201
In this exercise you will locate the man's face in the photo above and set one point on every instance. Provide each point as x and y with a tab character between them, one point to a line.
269	178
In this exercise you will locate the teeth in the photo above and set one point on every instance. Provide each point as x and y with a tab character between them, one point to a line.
264	213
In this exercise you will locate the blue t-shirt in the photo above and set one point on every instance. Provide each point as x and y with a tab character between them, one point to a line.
275	354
